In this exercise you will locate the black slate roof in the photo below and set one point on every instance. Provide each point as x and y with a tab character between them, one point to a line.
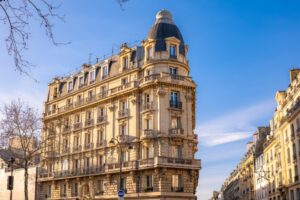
161	31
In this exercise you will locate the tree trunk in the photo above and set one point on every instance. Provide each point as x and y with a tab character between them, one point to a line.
26	180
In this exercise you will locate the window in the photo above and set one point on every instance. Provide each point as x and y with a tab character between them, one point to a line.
48	191
179	151
100	160
76	141
100	137
100	187
63	190
101	111
70	86
123	129
177	183
148	152
173	51
87	162
149	183
124	81
174	96
174	100
104	72
77	118
87	138
148	123
75	189
123	156
92	76
125	63
65	165
175	122
173	71
55	92
123	184
147	98
149	53
147	72
76	164
103	91
81	81
123	105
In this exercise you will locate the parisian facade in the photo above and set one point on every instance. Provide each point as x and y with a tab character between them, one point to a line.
270	168
126	122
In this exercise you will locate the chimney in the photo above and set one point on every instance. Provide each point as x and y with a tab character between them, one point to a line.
293	74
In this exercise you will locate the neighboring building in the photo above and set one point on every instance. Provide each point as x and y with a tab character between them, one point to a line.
18	191
260	175
231	190
143	97
276	162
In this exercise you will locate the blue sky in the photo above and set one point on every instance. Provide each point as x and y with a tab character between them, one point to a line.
240	52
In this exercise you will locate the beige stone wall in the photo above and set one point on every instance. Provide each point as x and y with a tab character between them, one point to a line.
18	191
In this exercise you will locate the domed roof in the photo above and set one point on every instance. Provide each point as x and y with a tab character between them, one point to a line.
163	28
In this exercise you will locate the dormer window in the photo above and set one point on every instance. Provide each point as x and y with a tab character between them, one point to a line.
149	53
70	86
104	72
173	51
125	63
81	81
92	76
55	92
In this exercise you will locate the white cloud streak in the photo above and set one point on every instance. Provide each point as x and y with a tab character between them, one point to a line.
234	126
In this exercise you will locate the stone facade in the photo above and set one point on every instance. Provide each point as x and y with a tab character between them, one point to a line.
276	170
137	108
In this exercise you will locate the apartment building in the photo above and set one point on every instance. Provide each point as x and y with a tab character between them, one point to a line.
124	123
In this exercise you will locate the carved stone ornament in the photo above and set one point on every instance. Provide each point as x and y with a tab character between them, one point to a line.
161	92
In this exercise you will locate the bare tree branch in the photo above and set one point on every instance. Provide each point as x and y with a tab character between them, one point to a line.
16	14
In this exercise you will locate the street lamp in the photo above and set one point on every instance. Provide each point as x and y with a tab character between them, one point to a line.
10	180
115	141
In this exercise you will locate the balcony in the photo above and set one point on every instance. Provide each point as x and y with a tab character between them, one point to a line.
65	150
176	104
177	77
124	113
88	146
78	103
77	126
66	129
147	106
149	134
90	99
76	148
177	189
89	123
51	154
148	189
151	77
101	119
100	144
103	94
122	87
176	132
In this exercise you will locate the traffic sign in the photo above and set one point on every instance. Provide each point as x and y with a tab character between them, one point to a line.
121	193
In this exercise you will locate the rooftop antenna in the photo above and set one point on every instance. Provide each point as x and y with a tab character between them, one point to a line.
90	57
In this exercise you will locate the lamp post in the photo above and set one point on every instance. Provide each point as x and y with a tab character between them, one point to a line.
115	141
10	180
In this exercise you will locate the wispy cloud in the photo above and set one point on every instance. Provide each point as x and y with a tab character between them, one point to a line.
234	126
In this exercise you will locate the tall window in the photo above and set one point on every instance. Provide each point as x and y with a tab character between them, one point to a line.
123	129
147	98
92	76
149	182
173	51
100	187
87	138
100	160
104	72
123	105
125	63
177	183
55	92
77	118
75	189
149	53
175	122
101	111
173	71
63	190
174	96
48	192
100	136
179	151
124	81
70	86
76	141
148	123
76	164
81	81
123	184
87	162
